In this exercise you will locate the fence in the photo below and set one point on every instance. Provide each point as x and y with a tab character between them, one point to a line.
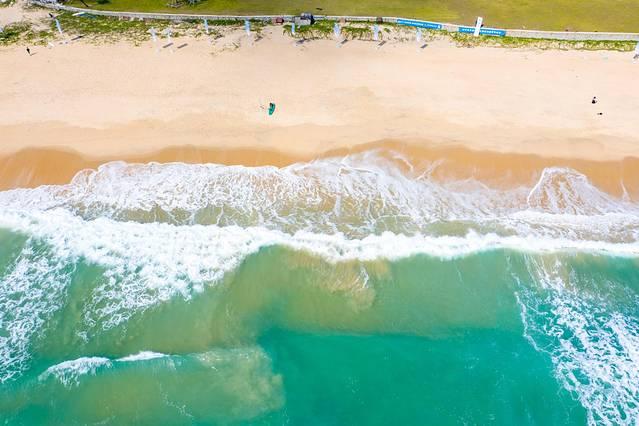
553	35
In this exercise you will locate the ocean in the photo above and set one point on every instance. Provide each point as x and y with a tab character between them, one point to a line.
347	290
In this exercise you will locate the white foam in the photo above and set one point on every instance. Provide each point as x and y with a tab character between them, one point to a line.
188	255
565	191
141	356
239	369
357	195
26	305
70	372
593	345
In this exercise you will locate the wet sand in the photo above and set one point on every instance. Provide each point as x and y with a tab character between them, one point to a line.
34	167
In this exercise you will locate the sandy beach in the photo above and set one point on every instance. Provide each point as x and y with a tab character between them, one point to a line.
207	102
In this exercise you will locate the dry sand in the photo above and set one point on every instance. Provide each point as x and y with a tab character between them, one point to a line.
18	12
81	104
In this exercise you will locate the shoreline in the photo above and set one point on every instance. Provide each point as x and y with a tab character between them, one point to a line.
34	167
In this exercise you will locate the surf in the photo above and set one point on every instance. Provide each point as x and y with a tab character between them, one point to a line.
259	258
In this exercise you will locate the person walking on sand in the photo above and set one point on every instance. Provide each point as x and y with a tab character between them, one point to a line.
29	51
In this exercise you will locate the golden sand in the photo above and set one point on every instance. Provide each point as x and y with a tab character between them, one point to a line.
492	113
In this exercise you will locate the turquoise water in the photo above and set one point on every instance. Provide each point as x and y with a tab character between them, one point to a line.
299	296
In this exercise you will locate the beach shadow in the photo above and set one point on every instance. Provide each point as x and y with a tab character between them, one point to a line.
167	45
424	46
258	38
77	38
302	41
182	45
382	43
344	42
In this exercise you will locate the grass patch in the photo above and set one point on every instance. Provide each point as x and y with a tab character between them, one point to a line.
557	15
222	23
320	30
23	32
14	32
106	26
324	30
110	29
465	40
357	33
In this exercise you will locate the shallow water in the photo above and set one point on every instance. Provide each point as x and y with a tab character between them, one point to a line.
346	290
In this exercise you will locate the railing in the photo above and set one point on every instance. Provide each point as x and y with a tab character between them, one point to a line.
553	35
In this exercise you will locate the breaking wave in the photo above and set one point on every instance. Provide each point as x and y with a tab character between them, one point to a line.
358	195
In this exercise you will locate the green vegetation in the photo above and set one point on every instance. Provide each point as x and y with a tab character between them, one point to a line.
102	28
105	26
466	40
360	33
575	15
14	32
324	30
321	29
23	32
107	29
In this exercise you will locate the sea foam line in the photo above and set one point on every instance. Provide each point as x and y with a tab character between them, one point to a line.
111	243
69	372
149	263
358	195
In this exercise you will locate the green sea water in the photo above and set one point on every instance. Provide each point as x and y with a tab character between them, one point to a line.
93	332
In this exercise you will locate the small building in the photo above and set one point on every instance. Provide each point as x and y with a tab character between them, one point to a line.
304	19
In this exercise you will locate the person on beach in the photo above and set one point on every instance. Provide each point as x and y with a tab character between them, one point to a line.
29	51
594	100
